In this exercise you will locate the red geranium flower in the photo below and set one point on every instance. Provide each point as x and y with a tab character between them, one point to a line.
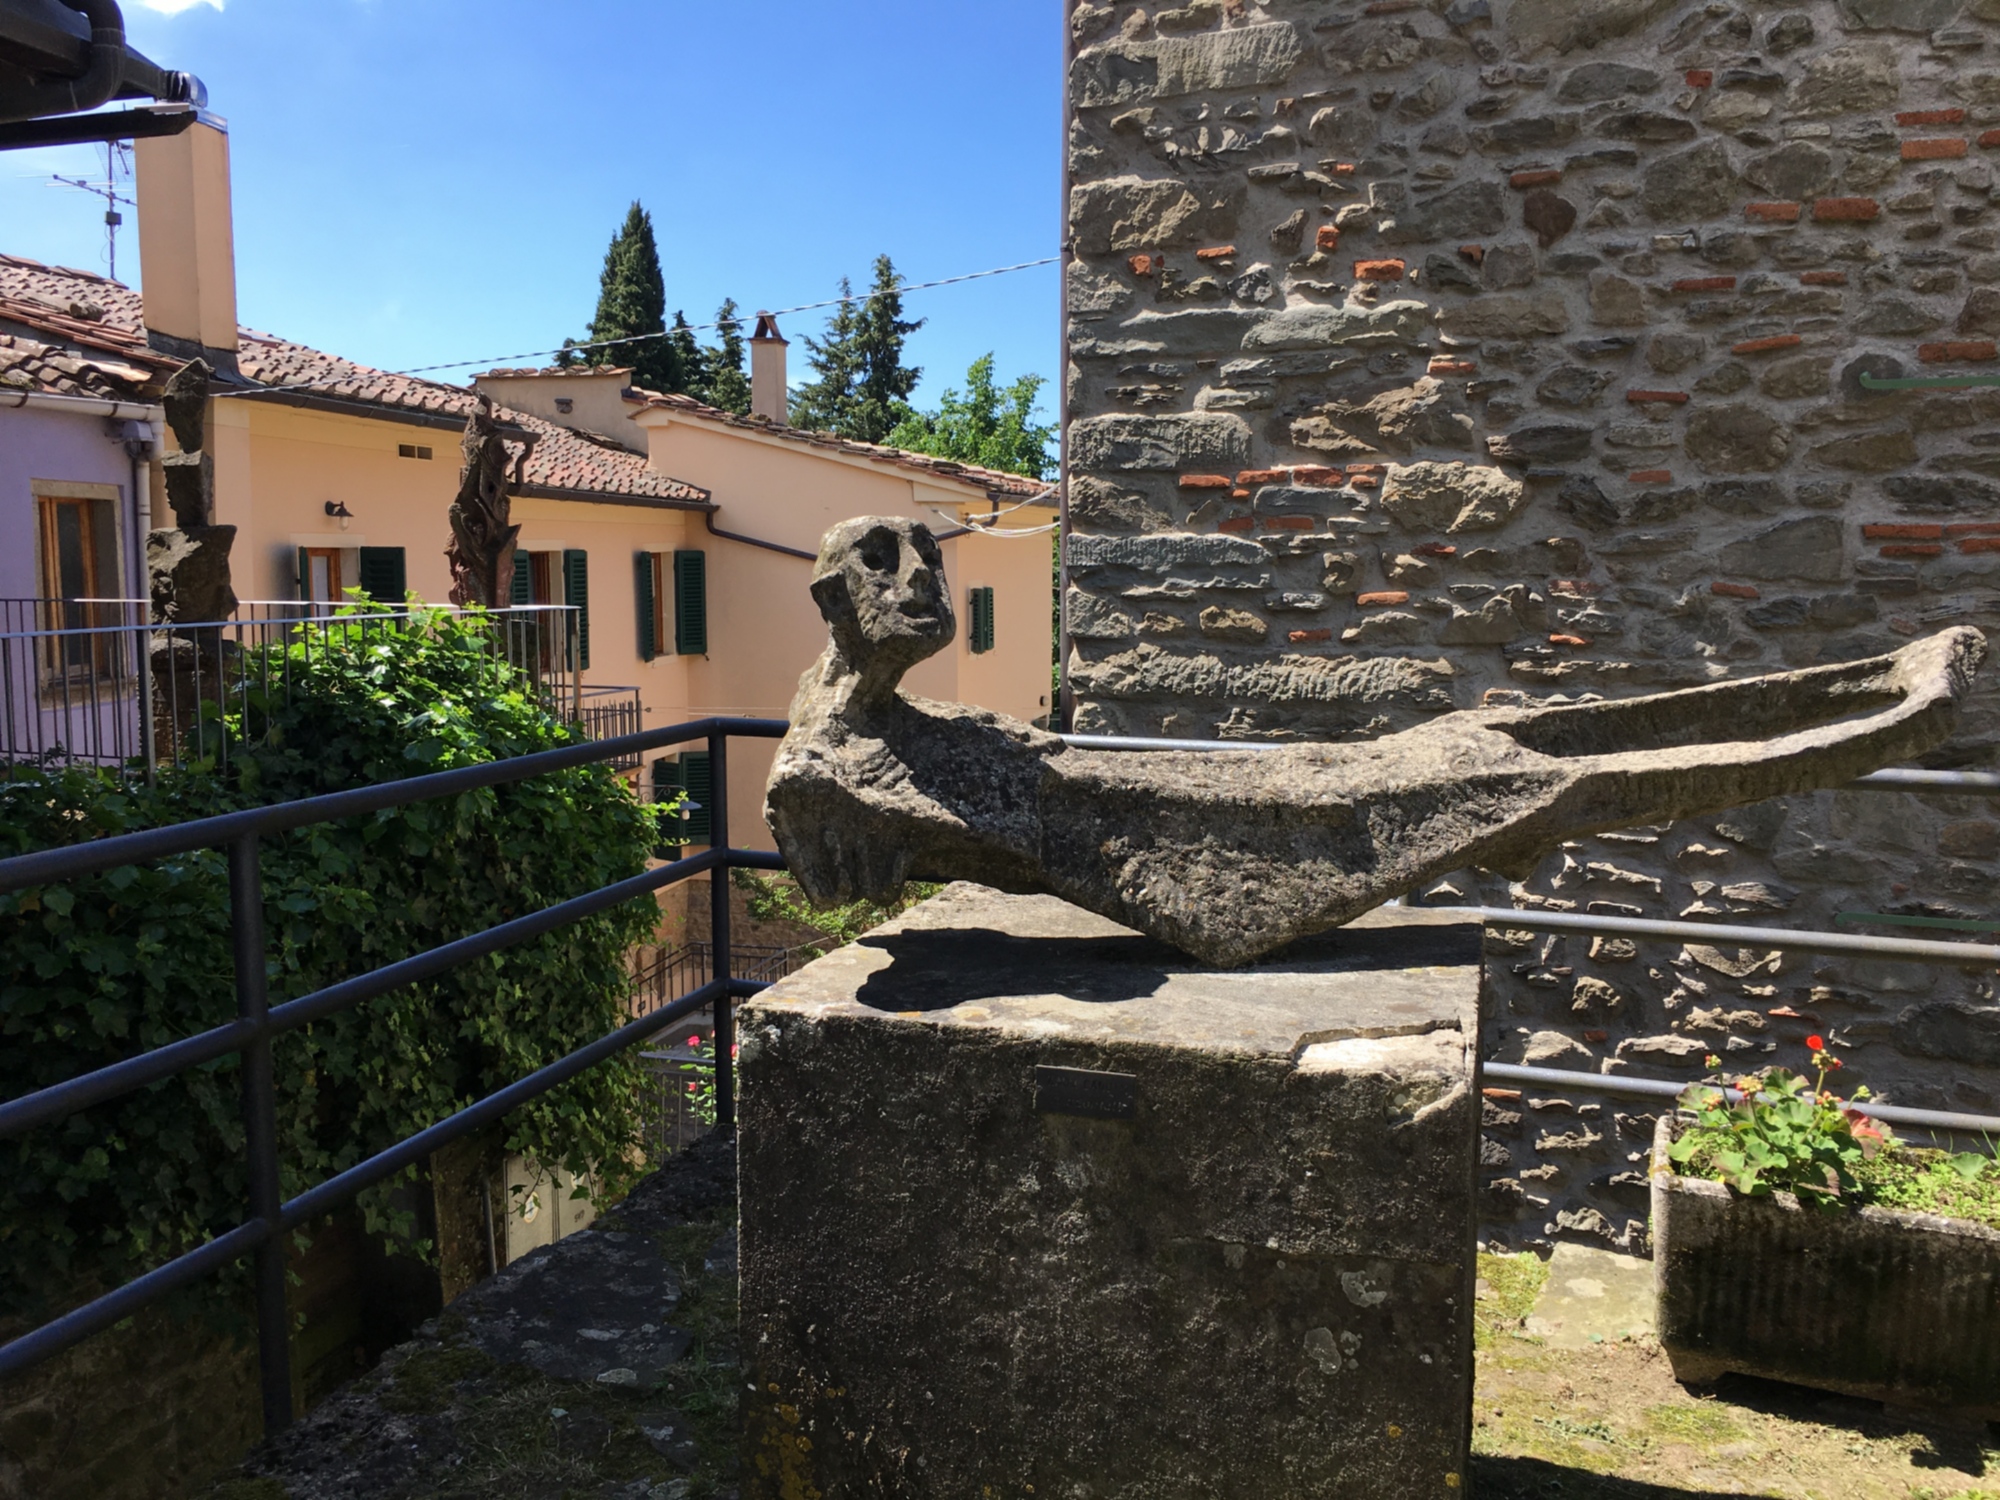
1816	1043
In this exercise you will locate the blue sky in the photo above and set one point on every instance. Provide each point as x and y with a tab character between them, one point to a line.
427	180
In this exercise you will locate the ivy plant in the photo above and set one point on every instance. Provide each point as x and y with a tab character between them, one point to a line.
102	968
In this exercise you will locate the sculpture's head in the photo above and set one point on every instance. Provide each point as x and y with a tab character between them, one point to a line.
879	582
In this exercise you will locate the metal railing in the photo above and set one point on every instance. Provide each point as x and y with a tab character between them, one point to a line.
258	1022
672	972
610	713
94	682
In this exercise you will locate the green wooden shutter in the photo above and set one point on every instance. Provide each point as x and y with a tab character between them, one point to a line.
524	584
642	596
383	575
982	620
666	783
576	594
695	778
691	603
305	576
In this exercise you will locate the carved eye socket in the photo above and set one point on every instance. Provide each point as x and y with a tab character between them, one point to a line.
927	549
879	550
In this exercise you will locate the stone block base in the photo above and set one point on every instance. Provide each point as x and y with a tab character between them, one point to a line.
1033	1206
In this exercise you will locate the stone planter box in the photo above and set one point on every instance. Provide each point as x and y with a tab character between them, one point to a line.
1873	1302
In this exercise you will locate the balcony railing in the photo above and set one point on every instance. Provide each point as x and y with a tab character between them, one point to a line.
609	713
92	682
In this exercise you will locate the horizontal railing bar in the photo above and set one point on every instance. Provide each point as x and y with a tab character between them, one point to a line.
1663	1088
52	1103
329	1195
72	861
1917	950
239	624
74	1327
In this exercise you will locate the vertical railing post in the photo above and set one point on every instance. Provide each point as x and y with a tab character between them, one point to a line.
718	936
260	1132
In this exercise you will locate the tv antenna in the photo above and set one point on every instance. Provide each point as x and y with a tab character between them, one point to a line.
117	166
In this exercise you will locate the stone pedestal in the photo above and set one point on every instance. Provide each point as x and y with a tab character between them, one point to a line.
1032	1205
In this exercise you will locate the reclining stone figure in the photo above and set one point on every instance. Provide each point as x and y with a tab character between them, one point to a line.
1229	856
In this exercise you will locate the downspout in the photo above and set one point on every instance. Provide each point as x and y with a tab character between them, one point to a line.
101	77
751	541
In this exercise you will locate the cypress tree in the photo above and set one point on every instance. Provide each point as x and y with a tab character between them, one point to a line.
862	386
728	386
689	361
632	302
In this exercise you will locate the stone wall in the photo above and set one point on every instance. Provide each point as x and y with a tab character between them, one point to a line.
1427	354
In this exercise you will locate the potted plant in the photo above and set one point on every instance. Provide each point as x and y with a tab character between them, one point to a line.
1795	1238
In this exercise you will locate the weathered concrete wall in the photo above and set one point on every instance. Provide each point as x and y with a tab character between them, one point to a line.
1428	354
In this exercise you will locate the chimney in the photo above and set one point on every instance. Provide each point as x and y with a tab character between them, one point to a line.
767	370
187	246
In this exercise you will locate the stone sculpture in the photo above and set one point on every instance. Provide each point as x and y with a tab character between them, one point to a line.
1229	856
481	553
187	570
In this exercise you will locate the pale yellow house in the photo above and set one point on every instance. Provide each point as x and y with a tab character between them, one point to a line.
683	534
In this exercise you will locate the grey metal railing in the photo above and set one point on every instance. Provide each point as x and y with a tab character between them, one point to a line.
259	1023
609	713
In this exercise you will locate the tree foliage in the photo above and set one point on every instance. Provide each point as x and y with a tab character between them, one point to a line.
987	425
102	968
727	385
632	304
861	387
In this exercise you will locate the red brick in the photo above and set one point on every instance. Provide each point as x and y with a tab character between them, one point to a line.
1945	148
1474	253
1145	265
1216	252
1444	365
1237	523
1972	528
1380	270
1365	481
1367	468
1700	78
1953	350
1239	494
1980	544
1845	210
1568	640
1262	476
1912	549
1385	597
1706	284
1734	591
1822	278
1990	138
1671	398
1952	116
1434	549
1318	476
1773	213
1327	237
1597	1036
1345	168
1765	346
1581	588
1288	523
1306	637
1536	177
1499	1093
1650	476
1206	482
1902	531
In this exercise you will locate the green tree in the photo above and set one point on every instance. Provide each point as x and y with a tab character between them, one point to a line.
688	358
727	386
861	387
987	425
632	304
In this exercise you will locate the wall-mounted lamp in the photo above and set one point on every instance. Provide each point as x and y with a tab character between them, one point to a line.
339	511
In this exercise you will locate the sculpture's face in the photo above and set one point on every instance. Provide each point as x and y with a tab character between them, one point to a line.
880	583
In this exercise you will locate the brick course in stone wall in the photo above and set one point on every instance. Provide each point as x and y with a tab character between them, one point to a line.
1427	354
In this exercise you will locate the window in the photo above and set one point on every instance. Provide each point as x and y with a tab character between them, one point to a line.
576	594
651	588
79	562
691	603
688	773
412	450
980	636
384	576
319	575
